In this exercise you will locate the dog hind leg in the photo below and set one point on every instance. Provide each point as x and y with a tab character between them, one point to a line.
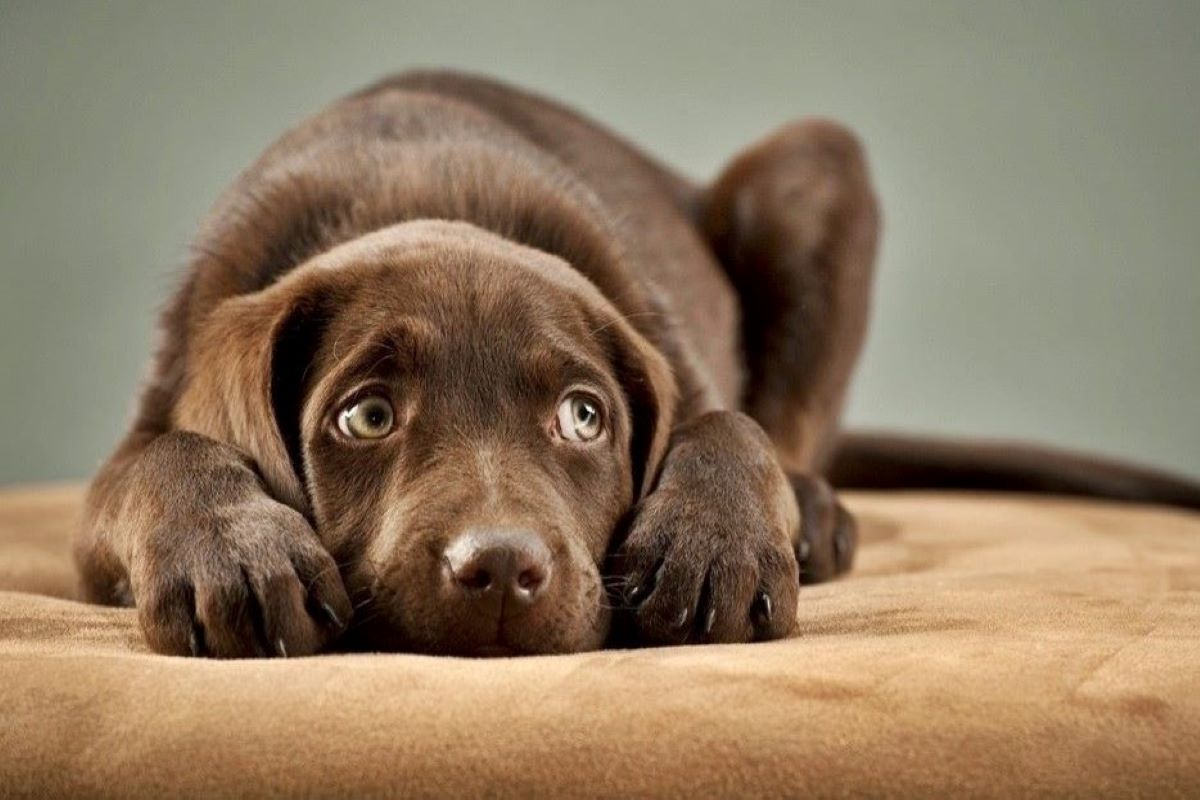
795	222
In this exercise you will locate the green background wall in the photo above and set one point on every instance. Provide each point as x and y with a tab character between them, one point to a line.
1039	166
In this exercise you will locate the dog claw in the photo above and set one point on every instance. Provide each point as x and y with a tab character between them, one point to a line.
639	592
764	610
333	617
682	619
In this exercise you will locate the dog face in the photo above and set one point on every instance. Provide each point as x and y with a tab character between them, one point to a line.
465	421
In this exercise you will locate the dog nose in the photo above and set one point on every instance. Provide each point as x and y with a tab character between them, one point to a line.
494	564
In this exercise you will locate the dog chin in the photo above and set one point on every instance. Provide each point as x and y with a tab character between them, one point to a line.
388	636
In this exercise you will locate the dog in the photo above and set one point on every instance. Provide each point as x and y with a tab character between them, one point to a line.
455	370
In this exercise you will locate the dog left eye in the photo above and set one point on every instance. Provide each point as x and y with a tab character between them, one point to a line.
369	418
579	418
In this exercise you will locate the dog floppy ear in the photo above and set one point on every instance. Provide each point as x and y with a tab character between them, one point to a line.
245	378
649	386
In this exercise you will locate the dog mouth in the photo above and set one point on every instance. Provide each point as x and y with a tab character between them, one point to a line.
416	612
381	631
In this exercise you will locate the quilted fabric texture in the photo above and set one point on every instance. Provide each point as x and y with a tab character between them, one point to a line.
983	645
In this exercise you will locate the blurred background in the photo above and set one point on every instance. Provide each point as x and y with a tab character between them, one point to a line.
1038	164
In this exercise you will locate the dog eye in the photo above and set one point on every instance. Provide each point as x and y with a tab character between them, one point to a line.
579	418
369	418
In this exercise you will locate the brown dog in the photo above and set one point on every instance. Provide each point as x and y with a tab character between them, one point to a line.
462	367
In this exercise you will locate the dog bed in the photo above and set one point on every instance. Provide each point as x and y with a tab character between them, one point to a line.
983	645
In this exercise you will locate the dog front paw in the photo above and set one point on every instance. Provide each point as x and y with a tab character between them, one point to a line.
247	579
709	556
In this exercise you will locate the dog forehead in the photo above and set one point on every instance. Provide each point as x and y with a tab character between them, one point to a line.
434	250
450	311
456	276
435	306
444	243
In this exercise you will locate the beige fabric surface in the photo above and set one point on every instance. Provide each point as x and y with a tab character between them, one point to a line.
983	646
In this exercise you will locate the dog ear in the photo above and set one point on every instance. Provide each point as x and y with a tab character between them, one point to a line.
245	380
650	388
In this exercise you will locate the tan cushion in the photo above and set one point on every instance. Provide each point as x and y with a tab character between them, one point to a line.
983	645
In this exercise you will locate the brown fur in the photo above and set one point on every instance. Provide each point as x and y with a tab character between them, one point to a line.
473	251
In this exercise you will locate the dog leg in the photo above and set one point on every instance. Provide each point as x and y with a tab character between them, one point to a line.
710	553
794	221
180	525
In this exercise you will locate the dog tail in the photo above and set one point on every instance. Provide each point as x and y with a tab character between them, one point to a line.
893	461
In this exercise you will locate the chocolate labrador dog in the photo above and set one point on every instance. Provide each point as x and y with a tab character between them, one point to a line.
463	372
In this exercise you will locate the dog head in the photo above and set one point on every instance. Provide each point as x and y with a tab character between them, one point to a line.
464	420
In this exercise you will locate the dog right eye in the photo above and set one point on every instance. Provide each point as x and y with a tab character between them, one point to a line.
367	418
579	418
